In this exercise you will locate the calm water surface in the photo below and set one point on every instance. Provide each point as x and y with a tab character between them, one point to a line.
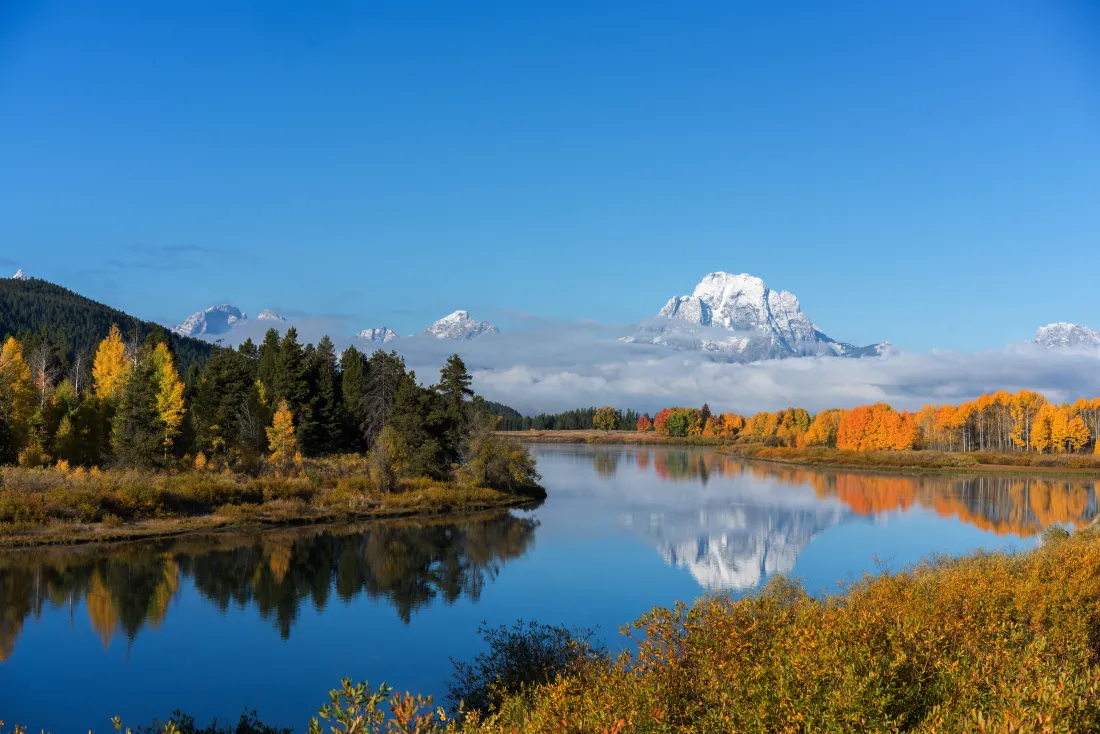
211	624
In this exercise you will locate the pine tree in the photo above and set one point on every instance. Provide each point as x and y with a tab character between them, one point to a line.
292	384
327	405
385	373
111	366
268	360
353	388
136	432
454	386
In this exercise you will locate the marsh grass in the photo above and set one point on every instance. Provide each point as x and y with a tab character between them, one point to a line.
51	502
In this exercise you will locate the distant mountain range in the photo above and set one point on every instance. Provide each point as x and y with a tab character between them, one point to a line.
729	317
739	318
222	319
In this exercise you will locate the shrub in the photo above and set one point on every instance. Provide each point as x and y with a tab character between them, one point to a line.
520	657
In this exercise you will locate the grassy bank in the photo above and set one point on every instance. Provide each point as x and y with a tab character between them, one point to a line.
919	460
611	437
42	506
992	642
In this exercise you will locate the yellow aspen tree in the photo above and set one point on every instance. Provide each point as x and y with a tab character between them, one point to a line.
1023	409
1077	433
169	394
1041	425
111	368
17	393
280	435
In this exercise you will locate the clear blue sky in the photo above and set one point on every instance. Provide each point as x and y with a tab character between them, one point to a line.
926	172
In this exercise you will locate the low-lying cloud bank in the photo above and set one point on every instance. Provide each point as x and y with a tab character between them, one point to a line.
553	367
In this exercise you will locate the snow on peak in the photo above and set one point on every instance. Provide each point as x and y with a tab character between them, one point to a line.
268	315
213	321
379	335
1063	334
20	275
459	325
738	317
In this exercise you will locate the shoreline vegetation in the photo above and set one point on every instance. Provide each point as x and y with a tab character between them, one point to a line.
116	444
994	642
49	507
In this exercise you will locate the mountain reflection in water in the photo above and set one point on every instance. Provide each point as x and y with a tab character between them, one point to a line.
732	523
128	588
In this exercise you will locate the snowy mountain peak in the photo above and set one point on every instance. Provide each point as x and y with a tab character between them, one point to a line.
268	315
20	275
379	335
459	325
1063	334
214	320
741	319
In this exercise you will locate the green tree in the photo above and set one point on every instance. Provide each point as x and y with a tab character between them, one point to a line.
353	388
137	430
385	374
327	404
268	361
454	386
292	384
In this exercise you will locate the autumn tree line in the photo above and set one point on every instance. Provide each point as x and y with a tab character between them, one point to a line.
126	405
1000	421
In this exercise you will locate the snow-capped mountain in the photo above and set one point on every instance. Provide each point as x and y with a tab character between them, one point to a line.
459	325
213	321
378	335
738	317
268	315
1063	334
20	275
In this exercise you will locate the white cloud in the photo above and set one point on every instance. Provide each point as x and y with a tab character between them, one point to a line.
553	367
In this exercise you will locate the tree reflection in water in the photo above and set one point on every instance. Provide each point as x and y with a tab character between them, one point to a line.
126	588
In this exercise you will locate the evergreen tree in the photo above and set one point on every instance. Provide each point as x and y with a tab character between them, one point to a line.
422	429
268	361
385	374
292	385
328	407
454	386
136	434
353	389
225	387
248	349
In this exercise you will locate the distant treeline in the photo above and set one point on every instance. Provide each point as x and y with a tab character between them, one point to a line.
580	419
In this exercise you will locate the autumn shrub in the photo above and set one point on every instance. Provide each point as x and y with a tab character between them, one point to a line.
520	657
991	642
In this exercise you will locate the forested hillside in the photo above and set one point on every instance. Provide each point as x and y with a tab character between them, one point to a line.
77	323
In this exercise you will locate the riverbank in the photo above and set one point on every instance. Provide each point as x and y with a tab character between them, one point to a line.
919	461
611	437
51	506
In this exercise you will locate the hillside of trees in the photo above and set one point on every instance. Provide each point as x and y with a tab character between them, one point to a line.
34	311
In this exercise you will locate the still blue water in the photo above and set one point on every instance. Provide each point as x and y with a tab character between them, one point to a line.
213	624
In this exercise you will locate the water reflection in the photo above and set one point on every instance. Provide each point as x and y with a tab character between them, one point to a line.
756	521
129	588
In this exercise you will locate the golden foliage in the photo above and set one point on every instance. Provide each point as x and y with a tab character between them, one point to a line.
280	435
169	393
111	368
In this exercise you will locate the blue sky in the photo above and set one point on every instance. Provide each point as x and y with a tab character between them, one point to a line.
925	172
